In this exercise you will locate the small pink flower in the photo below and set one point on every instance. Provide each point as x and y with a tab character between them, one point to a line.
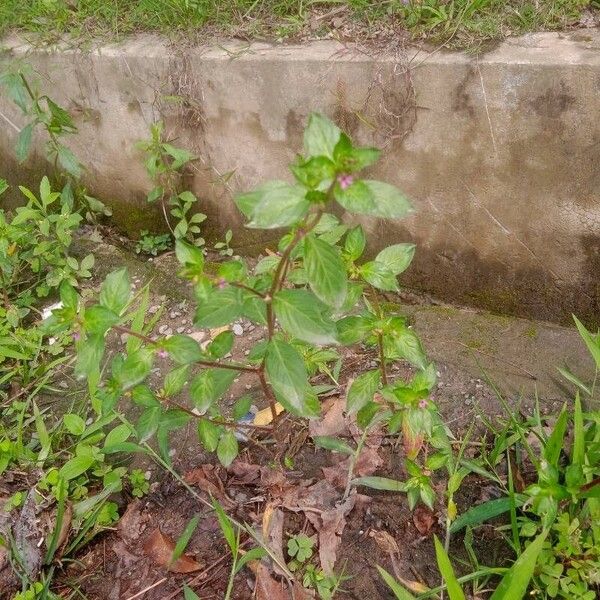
76	336
162	353
423	404
222	283
345	181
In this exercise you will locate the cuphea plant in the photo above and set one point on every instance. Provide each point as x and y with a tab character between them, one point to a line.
165	164
315	292
43	113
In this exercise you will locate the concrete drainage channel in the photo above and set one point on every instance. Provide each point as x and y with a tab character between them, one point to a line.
499	152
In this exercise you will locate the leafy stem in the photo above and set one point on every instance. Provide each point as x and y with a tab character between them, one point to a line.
204	363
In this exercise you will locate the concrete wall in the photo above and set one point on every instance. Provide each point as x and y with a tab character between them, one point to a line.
500	153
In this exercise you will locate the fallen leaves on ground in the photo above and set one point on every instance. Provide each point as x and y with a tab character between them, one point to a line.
368	462
159	547
272	530
424	519
133	522
207	479
268	588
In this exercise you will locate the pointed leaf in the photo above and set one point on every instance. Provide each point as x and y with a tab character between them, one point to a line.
303	316
362	390
325	270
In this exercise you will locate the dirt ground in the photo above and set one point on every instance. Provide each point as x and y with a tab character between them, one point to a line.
473	351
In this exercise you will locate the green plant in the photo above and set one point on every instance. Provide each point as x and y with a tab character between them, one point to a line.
45	114
512	586
139	483
319	254
300	548
223	247
165	165
151	243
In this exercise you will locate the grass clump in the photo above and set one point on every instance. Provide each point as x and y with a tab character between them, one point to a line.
454	22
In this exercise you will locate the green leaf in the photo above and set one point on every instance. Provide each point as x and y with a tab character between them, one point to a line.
287	373
380	483
98	319
252	554
355	242
208	386
575	380
241	407
209	434
24	142
221	345
148	423
362	390
226	527
76	466
116	291
303	316
74	424
182	349
396	258
350	160
117	435
454	590
578	453
404	343
89	355
325	270
379	276
142	396
179	155
314	172
220	308
592	344
353	329
554	444
373	198
400	592
175	380
333	444
484	512
184	539
134	369
189	594
189	255
321	136
516	581
227	448
68	161
279	207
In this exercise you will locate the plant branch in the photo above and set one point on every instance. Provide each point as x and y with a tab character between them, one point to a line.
204	363
247	288
231	424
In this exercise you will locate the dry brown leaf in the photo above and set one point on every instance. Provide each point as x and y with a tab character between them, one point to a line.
27	534
133	522
65	528
207	479
268	588
385	541
333	421
159	548
330	532
368	462
299	592
424	519
272	530
414	586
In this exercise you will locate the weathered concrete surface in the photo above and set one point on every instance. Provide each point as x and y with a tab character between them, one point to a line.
500	152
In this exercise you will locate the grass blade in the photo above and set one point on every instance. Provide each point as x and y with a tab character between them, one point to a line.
184	539
454	590
484	512
400	592
515	583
